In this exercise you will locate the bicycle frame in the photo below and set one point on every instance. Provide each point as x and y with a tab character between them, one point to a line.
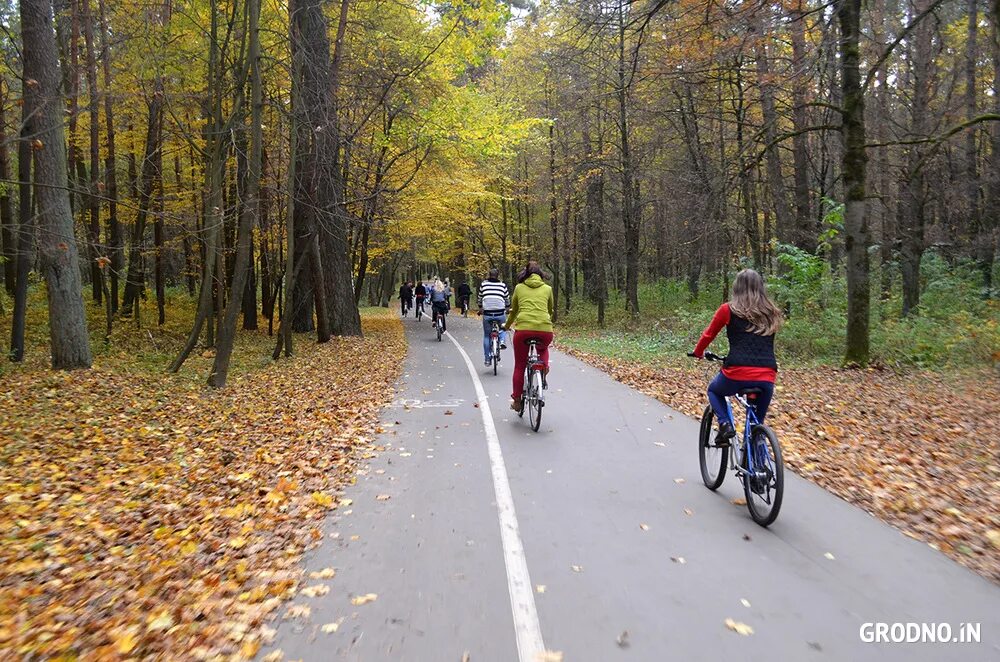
754	463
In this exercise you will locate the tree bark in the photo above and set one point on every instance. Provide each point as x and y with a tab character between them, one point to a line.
805	232
25	229
854	166
7	227
69	341
629	211
136	277
913	189
113	233
93	193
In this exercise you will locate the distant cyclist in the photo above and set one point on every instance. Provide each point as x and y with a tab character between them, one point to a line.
531	311
464	293
751	320
439	303
494	298
405	297
420	294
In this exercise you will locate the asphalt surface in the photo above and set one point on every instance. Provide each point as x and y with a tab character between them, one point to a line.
630	557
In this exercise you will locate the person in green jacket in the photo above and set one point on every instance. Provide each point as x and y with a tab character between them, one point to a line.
531	312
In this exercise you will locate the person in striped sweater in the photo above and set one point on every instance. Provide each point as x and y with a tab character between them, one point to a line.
494	298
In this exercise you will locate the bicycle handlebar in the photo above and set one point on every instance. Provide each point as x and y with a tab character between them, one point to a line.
709	356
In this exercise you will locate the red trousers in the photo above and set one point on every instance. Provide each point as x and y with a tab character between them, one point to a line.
521	339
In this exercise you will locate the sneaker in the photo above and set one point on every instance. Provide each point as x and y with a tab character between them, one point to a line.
489	363
724	435
517	405
503	345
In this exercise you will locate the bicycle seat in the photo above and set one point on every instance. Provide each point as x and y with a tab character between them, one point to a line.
750	391
532	342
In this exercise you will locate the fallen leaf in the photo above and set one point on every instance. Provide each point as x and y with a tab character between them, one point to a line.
577	568
738	501
739	628
274	656
298	611
540	588
325	573
688	512
745	602
678	559
679	481
622	639
329	628
315	590
159	621
829	556
549	656
364	599
644	527
382	497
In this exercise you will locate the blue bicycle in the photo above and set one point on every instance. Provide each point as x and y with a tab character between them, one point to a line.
756	458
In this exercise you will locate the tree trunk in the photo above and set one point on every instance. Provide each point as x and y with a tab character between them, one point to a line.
25	230
913	191
112	233
93	193
250	210
805	233
986	242
775	178
136	277
70	344
854	166
7	228
629	211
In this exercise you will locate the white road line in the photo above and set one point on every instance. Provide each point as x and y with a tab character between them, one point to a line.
522	599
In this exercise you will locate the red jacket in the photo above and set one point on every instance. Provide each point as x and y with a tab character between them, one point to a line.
737	372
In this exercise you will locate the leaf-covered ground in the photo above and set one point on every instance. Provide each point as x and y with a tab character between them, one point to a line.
145	515
918	450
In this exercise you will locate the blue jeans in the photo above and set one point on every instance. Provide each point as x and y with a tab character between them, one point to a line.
722	386
487	319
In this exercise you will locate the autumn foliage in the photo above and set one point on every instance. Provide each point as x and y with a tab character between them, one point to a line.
146	515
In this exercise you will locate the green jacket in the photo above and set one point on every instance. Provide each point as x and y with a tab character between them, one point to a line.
532	306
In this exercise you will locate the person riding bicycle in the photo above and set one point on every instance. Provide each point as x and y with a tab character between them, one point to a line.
464	292
531	310
420	293
493	299
751	320
405	297
439	303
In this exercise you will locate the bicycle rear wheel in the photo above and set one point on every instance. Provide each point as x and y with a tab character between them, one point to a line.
535	402
524	394
765	486
495	352
711	458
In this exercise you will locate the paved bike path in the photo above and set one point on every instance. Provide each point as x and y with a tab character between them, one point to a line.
608	500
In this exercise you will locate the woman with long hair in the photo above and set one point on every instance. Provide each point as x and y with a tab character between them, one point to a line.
531	310
751	321
439	303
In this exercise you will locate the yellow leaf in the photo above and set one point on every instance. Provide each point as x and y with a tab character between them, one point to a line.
161	620
739	628
364	599
249	648
190	547
238	542
321	499
325	573
316	590
330	627
125	640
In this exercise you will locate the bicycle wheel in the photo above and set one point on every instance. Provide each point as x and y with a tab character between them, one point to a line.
711	458
495	350
535	402
524	394
765	486
439	329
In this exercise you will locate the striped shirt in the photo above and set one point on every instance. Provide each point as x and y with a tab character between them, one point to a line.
493	296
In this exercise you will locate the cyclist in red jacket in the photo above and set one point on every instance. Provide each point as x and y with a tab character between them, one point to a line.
751	321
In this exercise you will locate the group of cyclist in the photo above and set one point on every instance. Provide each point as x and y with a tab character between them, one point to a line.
750	318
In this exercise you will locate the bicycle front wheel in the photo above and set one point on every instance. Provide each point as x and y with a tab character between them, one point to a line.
712	458
764	482
535	402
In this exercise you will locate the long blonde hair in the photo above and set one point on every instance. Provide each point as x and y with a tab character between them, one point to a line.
438	285
750	301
